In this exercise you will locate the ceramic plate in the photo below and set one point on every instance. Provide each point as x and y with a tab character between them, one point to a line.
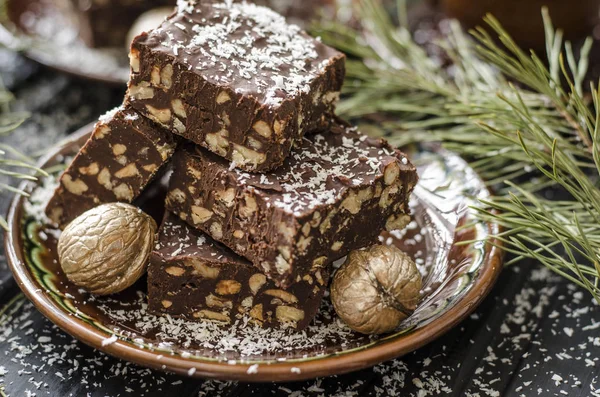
47	32
456	278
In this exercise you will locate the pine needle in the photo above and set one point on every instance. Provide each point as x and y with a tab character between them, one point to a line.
14	165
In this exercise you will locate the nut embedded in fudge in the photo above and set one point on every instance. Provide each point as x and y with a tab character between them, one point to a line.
236	79
123	154
335	193
190	275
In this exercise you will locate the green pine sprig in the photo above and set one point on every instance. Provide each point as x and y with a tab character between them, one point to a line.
14	165
524	123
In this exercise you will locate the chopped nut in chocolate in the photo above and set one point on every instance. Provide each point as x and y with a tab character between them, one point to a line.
121	157
237	79
193	276
335	193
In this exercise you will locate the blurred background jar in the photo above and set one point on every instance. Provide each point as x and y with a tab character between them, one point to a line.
523	18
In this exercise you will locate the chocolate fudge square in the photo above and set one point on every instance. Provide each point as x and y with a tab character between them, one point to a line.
192	276
335	193
236	79
123	154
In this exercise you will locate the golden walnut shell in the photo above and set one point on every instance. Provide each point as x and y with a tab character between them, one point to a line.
375	289
106	249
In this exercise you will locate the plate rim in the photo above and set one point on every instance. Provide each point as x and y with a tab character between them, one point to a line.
74	72
13	40
275	372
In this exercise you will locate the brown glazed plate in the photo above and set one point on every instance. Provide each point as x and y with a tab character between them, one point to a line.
448	244
47	31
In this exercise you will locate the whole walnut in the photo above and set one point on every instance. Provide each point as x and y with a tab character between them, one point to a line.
106	249
375	289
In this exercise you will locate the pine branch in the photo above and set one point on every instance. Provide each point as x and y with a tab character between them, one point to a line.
522	121
14	165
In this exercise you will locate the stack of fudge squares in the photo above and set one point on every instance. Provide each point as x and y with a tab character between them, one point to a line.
268	187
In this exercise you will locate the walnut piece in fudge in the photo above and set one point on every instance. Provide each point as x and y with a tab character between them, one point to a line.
336	192
192	276
121	157
236	79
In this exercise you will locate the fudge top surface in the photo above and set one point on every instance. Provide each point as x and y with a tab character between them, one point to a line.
125	115
123	112
248	48
320	169
176	240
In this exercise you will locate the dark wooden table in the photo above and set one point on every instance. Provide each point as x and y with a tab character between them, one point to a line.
535	335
